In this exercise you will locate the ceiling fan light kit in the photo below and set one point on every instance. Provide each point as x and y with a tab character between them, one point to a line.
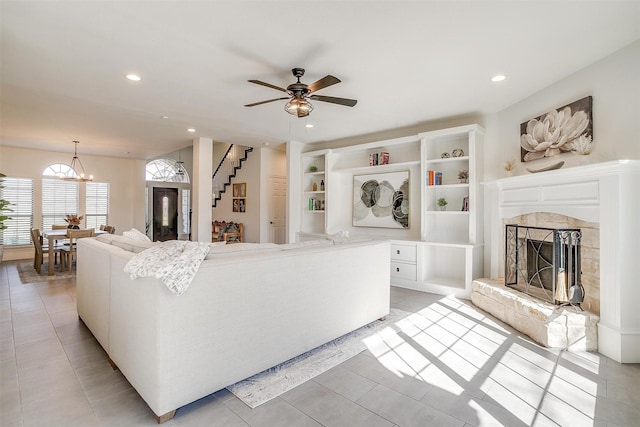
300	94
298	107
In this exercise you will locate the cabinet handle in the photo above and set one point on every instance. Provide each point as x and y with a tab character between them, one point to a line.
398	251
398	269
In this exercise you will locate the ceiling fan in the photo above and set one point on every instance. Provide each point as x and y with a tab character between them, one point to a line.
300	94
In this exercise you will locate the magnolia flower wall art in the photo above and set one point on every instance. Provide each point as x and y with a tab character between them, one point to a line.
567	129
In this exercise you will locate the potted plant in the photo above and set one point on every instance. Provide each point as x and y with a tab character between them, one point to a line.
3	208
463	176
442	202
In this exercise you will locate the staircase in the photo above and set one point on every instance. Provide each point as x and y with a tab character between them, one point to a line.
226	170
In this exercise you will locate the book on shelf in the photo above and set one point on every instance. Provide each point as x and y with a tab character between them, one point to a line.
431	177
438	178
465	203
381	158
384	158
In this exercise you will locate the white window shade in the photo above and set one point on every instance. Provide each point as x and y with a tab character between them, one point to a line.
59	199
97	204
18	192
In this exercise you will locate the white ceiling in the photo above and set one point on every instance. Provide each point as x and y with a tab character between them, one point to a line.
63	65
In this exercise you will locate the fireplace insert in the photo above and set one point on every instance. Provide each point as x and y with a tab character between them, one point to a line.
544	263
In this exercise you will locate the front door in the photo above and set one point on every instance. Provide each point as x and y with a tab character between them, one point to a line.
165	214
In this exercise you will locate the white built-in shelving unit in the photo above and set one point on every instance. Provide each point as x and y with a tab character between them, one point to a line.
440	251
452	239
314	171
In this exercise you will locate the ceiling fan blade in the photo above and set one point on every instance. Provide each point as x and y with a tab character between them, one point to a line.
265	102
258	82
326	81
342	101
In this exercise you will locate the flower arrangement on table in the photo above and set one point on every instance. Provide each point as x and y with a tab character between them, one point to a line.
73	220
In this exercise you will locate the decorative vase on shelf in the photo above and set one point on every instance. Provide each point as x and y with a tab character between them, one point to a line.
464	180
73	227
443	208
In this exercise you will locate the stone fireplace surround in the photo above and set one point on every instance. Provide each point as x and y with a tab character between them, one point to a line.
604	193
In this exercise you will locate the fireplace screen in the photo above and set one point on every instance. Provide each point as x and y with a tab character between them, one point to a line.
544	263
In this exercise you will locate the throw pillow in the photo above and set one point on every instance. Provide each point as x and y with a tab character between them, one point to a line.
228	228
136	235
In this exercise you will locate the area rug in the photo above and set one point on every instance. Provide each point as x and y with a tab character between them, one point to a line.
262	387
28	274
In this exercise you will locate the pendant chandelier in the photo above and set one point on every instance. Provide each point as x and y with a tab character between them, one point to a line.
82	176
180	164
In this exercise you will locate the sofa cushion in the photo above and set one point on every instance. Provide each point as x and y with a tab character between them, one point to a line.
132	245
307	243
106	238
238	249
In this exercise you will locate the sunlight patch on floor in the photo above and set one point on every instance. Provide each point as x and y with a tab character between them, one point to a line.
456	348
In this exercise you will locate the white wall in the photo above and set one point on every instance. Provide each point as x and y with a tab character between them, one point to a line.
126	204
614	83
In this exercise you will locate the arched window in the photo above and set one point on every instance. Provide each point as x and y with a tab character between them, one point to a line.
62	197
166	170
59	170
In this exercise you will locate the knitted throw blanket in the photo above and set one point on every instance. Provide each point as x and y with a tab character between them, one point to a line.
175	262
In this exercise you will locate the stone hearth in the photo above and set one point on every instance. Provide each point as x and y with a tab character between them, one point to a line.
548	325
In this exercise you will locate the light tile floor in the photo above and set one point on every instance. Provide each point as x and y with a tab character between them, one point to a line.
451	365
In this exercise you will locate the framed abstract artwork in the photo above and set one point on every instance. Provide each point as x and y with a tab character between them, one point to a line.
381	200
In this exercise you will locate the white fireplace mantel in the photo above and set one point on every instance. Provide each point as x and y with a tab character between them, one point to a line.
606	193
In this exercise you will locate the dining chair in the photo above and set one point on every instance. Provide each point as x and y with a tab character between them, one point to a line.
41	249
59	226
69	252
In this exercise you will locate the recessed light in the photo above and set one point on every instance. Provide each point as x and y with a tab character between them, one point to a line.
498	78
308	125
134	77
164	117
191	130
267	144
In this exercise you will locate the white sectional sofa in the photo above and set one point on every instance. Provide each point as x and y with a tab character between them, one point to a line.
248	308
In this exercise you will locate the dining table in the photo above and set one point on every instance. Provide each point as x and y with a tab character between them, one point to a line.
55	235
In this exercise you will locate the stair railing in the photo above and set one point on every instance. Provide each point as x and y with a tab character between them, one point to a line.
227	168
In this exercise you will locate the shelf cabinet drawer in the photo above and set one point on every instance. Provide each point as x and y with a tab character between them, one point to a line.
405	253
401	270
